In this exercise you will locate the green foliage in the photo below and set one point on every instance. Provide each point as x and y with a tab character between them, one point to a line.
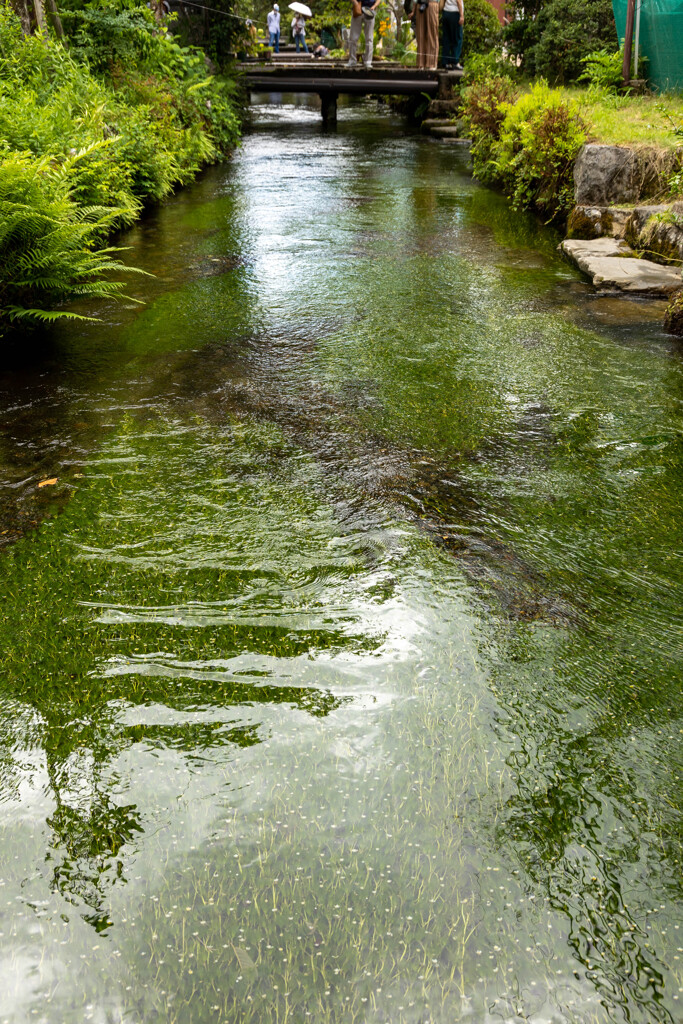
215	29
120	140
673	316
493	64
485	104
527	145
47	241
539	141
482	28
673	119
675	184
109	33
551	39
603	70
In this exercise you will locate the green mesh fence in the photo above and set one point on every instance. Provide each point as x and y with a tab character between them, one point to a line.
661	39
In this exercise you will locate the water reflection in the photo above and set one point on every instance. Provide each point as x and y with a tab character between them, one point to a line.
341	669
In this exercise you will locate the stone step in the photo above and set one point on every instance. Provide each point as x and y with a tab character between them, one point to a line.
612	265
443	108
450	131
430	123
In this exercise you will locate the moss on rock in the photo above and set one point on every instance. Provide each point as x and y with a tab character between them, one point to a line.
673	318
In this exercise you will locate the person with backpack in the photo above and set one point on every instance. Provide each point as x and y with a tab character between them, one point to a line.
362	20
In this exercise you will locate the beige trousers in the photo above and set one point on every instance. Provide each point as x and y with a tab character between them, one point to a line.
361	23
427	36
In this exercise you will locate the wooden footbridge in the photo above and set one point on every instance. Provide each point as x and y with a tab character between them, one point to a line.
329	79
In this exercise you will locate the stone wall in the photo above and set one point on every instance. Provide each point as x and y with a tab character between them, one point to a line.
606	175
610	184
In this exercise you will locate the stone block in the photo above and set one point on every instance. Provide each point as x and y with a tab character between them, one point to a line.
604	175
430	123
443	108
446	132
639	277
580	250
607	263
659	230
598	222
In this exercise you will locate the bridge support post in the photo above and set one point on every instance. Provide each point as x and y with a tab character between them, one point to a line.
446	83
328	106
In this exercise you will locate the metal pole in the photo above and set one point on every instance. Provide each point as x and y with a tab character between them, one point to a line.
637	42
628	43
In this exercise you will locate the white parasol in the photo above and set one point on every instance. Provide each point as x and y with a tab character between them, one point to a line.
301	9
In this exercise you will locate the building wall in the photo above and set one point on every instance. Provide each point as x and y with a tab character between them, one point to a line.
499	8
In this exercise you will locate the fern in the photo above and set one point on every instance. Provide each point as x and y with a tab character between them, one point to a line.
82	154
48	247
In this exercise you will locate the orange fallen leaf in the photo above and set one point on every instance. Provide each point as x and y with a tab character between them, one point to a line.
48	483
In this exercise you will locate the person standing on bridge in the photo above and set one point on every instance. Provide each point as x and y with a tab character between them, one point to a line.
362	19
452	20
299	32
426	15
274	27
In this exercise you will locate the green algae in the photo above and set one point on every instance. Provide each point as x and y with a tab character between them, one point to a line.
345	685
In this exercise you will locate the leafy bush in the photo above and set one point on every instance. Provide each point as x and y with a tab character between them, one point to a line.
122	140
111	33
552	39
485	104
526	145
493	64
482	29
48	242
673	316
568	31
603	70
539	141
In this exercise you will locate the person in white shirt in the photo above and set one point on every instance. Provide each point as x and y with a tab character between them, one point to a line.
452	19
299	32
274	28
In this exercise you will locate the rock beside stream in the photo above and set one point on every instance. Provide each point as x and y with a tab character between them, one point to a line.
608	263
605	175
673	318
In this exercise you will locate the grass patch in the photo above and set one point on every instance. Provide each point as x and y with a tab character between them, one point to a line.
630	120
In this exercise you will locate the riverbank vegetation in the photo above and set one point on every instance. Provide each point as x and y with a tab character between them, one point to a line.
525	138
552	82
524	144
90	135
630	120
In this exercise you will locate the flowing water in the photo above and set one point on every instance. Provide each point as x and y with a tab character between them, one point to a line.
341	665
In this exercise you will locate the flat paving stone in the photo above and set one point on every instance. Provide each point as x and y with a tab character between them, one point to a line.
631	275
579	249
430	123
609	265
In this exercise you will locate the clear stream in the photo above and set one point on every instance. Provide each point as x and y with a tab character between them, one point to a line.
341	667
